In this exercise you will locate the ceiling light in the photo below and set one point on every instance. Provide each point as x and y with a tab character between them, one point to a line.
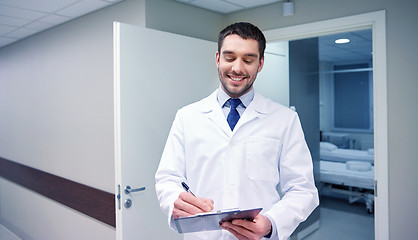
342	41
288	9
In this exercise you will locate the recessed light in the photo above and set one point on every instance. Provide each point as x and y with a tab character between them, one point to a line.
342	41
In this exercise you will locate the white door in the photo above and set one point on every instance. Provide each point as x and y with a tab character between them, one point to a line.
155	74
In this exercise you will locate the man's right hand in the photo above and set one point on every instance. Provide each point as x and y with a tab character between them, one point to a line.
188	205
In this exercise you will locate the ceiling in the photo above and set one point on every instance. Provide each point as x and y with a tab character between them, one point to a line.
22	18
359	49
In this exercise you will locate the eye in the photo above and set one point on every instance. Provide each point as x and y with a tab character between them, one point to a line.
229	59
248	60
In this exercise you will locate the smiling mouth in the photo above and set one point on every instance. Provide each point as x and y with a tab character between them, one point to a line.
237	79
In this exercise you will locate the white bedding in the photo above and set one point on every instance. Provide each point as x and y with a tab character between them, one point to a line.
344	155
338	173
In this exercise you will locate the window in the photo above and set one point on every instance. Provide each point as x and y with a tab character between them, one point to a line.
352	97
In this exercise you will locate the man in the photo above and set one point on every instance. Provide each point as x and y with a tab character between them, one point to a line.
231	164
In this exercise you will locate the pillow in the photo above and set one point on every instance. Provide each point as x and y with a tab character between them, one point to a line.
358	166
326	146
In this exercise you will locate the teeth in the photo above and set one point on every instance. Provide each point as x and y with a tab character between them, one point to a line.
236	79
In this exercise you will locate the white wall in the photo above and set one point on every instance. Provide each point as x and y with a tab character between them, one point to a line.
175	17
56	114
273	80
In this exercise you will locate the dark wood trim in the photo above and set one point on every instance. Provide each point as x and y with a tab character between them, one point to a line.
93	202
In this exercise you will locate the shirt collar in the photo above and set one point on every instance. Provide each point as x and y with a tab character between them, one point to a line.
245	99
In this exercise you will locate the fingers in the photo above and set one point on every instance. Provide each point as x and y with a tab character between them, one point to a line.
235	233
209	202
238	231
187	205
202	204
180	213
243	229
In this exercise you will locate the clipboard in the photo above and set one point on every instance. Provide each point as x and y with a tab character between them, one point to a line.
210	221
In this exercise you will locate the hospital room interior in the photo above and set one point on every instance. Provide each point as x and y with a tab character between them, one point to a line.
344	168
346	67
346	154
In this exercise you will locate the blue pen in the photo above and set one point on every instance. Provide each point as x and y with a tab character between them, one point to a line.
187	188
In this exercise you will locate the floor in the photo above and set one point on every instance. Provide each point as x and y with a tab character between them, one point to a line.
343	221
5	234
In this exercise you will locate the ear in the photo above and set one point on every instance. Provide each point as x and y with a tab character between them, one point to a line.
261	65
217	57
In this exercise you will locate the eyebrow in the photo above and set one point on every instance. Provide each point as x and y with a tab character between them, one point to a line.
248	54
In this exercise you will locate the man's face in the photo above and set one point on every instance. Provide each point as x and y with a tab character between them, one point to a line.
238	64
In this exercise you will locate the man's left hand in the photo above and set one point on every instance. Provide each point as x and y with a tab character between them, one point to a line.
249	230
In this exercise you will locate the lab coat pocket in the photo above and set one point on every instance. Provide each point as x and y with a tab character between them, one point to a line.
262	156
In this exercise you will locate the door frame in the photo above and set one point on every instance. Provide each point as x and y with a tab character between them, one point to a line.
377	22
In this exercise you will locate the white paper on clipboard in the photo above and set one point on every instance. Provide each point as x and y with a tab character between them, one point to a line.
210	221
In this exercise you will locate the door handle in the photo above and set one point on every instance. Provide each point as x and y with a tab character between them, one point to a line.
128	189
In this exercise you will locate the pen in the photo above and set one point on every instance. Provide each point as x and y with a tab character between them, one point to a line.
187	188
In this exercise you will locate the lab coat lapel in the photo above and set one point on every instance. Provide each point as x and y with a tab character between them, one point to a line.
256	109
211	108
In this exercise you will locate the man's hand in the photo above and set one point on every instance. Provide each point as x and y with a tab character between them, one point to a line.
187	205
249	230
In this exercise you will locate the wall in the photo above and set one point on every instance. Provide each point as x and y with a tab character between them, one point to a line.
276	64
402	56
363	141
56	114
175	17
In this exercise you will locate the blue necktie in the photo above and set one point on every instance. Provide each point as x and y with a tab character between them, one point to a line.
233	115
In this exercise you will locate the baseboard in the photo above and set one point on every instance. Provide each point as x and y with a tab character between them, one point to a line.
14	230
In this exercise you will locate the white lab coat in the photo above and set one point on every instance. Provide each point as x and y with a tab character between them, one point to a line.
240	168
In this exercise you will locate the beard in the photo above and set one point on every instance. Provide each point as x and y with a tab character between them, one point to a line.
232	91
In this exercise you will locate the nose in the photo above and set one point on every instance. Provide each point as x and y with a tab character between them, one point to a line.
238	66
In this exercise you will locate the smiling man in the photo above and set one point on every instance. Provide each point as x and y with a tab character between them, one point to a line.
235	148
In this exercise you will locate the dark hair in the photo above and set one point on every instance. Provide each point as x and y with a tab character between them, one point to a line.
246	31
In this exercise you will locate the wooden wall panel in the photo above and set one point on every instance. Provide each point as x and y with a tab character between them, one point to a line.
93	202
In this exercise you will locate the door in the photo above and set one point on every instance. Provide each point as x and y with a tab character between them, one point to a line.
304	95
155	73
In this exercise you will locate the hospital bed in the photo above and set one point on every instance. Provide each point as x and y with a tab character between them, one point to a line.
349	172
